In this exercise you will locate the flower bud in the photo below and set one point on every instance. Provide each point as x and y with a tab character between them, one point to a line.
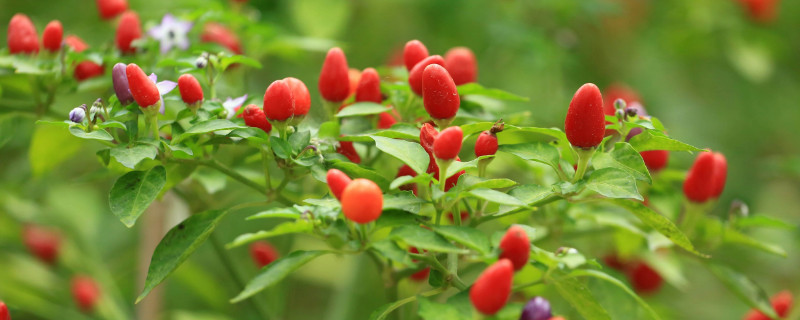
78	114
263	253
515	247
120	81
337	181
22	37
491	290
448	143
128	30
616	96
334	81
143	90
537	308
255	117
362	201
278	102
415	75
51	36
460	62
369	87
191	91
413	53
585	121
85	292
111	8
201	62
439	93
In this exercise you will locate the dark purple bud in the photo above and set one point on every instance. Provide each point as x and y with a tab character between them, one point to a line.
121	88
537	308
633	133
78	114
638	107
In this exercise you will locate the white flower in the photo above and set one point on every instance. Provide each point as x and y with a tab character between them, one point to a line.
232	105
164	87
171	32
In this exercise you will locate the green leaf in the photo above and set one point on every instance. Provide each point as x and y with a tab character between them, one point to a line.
423	239
391	251
535	151
659	223
299	140
410	153
394	218
429	310
761	220
50	146
329	129
94	135
470	237
743	287
613	183
133	192
603	276
361	109
531	193
496	197
298	226
656	140
471	128
131	156
457	166
625	158
470	182
733	236
275	272
476	89
281	148
177	245
580	298
112	124
240	59
290	213
209	126
356	171
405	201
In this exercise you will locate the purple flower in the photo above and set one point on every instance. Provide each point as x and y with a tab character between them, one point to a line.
164	87
121	88
171	32
78	114
537	308
232	105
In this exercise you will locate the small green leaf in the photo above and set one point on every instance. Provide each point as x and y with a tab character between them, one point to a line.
429	310
470	237
470	182
531	193
329	129
471	128
361	109
423	239
394	218
240	59
476	89
408	152
659	223
391	251
580	298
133	192
496	197
733	236
209	126
613	183
131	156
275	272
299	140
299	226
536	151
743	287
602	276
290	213
177	245
764	221
94	135
356	171
656	140
625	158
281	148
405	201
457	166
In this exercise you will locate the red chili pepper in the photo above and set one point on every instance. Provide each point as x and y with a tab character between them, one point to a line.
585	121
439	93
111	8
462	65
415	75
22	36
216	33
369	87
413	53
491	290
190	89
144	90
86	293
515	247
448	143
51	36
300	95
263	253
129	29
337	181
255	117
278	101
334	81
699	181
362	201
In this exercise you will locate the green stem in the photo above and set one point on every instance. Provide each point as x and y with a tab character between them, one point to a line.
400	303
215	164
583	162
265	163
219	248
526	285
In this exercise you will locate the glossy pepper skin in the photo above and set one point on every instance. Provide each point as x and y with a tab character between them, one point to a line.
698	184
337	181
85	292
111	8
585	123
462	65
439	94
413	53
300	95
52	36
415	75
362	201
22	36
516	247
255	117
278	101
486	145
719	176
448	143
334	81
143	90
263	253
491	290
129	29
369	87
190	89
